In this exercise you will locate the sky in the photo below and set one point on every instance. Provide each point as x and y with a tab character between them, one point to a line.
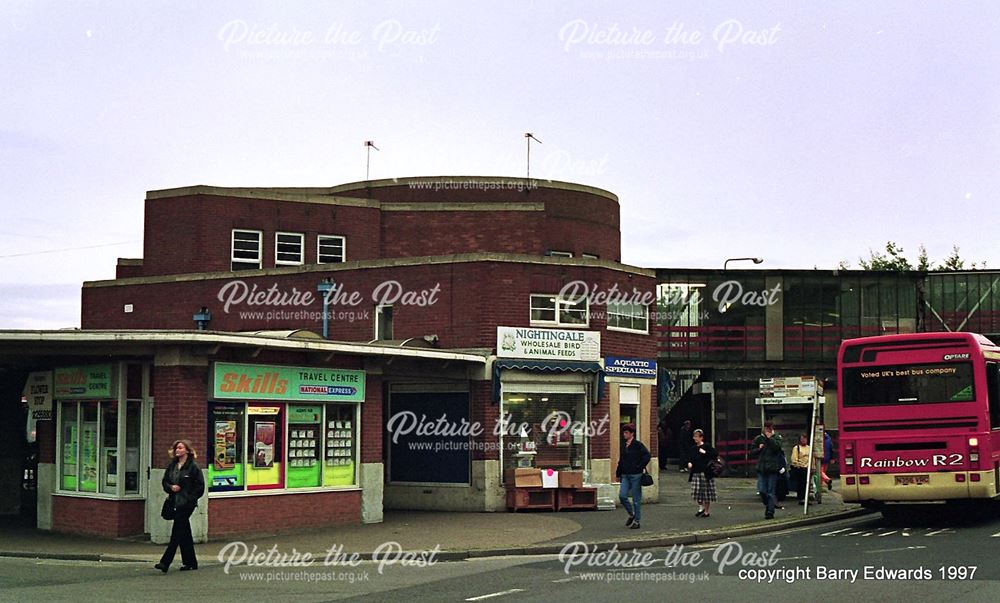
804	133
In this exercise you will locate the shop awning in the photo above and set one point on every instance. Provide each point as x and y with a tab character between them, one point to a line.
555	366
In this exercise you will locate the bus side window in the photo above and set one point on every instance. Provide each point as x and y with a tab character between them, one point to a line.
993	387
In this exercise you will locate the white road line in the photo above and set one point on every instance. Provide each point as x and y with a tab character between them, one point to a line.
561	581
792	558
499	594
835	532
937	531
855	533
888	533
905	548
867	534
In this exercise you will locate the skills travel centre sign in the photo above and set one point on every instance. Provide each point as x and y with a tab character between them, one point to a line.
548	344
289	383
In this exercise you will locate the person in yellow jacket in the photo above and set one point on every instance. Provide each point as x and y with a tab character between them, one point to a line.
801	457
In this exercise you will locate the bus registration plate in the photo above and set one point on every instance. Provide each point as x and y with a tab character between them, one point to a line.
907	480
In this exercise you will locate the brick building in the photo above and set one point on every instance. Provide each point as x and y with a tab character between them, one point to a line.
332	352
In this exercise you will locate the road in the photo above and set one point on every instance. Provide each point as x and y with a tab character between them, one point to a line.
933	556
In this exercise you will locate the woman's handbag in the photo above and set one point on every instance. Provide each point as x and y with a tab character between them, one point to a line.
168	512
717	467
646	479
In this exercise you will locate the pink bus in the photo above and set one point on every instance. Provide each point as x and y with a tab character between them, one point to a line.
919	419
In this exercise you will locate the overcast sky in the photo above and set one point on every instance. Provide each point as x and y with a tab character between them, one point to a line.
805	133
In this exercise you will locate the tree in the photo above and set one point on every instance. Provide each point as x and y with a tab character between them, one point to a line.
953	262
892	260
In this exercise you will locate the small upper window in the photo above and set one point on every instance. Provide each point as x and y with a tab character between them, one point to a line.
589	256
246	252
330	249
288	249
554	310
628	317
560	254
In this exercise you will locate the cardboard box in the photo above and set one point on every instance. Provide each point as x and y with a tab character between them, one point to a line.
571	479
527	478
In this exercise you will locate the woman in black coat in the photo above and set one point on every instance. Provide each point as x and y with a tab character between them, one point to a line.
184	485
701	477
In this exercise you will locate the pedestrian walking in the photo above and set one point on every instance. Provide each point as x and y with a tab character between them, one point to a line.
700	475
801	457
767	448
631	465
184	484
827	455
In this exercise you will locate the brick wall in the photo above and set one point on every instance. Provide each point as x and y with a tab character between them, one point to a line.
192	233
268	514
472	299
97	517
180	410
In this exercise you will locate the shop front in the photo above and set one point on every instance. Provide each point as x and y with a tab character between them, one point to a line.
282	431
632	388
549	385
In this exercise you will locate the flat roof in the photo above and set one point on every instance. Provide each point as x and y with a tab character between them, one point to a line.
15	340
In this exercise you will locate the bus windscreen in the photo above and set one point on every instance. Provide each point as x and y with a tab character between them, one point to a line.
908	384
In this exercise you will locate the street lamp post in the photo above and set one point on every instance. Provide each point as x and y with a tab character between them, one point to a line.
754	260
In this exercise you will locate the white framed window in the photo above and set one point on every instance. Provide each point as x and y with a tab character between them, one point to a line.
383	322
559	311
589	256
331	249
628	317
289	248
246	250
560	254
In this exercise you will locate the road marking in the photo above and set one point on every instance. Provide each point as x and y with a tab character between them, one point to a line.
835	532
499	594
570	579
888	533
867	534
938	531
792	558
905	548
997	535
855	533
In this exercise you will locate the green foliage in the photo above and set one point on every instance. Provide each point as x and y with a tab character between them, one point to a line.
893	260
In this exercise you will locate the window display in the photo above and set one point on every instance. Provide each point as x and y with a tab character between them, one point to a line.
338	462
264	448
304	438
224	465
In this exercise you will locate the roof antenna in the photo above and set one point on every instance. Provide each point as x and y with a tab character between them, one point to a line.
369	145
530	137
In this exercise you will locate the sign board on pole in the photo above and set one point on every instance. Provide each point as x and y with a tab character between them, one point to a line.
38	393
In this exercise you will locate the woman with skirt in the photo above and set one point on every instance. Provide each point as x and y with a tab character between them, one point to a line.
700	475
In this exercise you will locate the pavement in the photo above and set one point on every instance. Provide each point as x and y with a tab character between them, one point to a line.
667	522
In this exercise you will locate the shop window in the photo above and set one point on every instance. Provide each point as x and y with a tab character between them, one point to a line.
265	446
628	317
265	461
289	249
247	250
544	430
94	457
558	311
438	458
331	249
